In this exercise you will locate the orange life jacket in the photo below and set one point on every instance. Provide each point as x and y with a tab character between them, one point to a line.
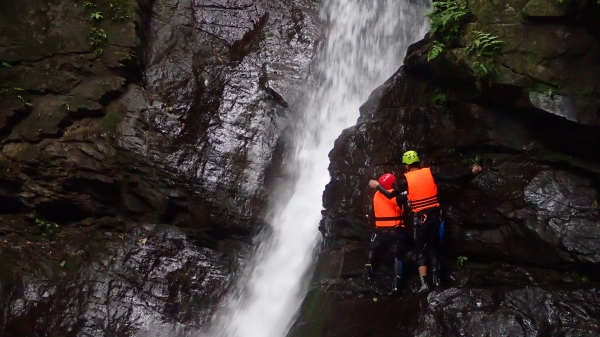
422	190
387	212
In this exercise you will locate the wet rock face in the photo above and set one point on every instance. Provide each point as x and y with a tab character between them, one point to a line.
221	76
538	191
218	79
532	126
529	311
110	278
530	191
161	112
494	300
63	63
565	213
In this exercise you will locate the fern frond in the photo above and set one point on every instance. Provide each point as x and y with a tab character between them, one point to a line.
436	49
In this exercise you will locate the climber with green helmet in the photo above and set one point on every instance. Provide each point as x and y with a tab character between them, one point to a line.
418	190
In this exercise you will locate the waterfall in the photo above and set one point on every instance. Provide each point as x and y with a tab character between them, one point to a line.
366	43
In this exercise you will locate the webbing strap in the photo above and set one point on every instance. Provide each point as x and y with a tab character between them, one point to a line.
388	218
426	201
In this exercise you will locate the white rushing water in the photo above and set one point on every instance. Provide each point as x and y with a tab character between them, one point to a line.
366	43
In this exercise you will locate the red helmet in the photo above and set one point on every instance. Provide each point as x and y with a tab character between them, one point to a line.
387	181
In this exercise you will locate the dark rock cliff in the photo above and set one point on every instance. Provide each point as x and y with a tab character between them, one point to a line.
139	138
522	241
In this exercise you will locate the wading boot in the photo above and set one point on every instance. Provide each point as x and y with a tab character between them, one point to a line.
424	287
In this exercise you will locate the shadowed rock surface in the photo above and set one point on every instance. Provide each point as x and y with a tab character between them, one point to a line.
108	278
494	300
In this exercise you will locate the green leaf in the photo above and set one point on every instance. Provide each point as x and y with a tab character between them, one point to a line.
436	49
96	16
62	264
446	19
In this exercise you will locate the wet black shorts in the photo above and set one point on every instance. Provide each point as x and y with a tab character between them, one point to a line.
389	237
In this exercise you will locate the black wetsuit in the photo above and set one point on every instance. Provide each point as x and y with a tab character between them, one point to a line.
393	237
401	189
384	238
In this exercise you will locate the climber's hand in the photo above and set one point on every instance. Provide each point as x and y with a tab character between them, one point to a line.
373	183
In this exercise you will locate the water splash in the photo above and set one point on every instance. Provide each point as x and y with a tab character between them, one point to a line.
366	43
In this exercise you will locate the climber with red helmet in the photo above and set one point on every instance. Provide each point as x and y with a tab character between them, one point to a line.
418	190
387	217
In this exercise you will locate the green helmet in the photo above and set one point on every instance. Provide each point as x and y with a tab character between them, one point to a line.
410	157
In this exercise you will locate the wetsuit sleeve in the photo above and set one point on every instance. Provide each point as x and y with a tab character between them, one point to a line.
452	179
388	194
401	200
400	192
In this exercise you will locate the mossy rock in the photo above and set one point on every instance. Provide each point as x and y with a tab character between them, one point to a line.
497	11
505	75
455	66
313	315
116	10
545	8
332	309
10	106
97	88
561	158
120	33
22	152
544	53
47	119
78	107
37	29
574	108
47	76
118	57
115	112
